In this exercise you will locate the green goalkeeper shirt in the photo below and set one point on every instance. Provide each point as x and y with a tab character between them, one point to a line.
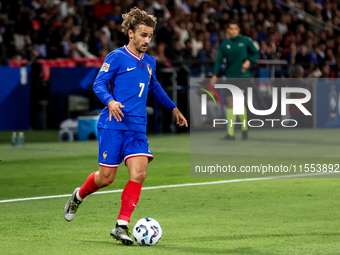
236	51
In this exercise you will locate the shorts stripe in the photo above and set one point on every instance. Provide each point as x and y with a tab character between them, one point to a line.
109	166
150	156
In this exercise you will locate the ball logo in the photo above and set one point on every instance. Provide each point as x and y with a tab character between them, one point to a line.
146	232
155	229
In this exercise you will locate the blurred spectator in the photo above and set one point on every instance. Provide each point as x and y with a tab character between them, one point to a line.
330	56
207	54
302	56
261	31
175	52
197	42
270	51
22	33
336	69
314	55
270	22
213	34
161	59
187	51
327	12
160	6
102	43
116	16
291	54
315	71
67	8
81	39
182	33
263	50
102	9
187	5
277	54
59	44
167	33
324	70
298	72
282	24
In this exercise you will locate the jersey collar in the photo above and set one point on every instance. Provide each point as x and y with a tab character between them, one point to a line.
132	54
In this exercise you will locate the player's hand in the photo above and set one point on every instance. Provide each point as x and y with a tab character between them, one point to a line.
115	111
245	66
180	119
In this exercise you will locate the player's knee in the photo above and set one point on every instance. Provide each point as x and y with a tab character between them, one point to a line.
106	177
107	181
143	175
139	176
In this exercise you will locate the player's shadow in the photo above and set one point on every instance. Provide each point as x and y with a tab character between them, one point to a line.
108	243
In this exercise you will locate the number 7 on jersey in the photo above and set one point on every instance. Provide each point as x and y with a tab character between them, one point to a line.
142	85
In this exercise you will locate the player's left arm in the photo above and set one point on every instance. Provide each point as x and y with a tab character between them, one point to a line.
161	96
253	54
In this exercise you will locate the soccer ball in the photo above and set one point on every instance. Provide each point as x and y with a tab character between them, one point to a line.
147	231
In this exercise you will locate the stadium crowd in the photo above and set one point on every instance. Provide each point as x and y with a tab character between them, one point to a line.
186	30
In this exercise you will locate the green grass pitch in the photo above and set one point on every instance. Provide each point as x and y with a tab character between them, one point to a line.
276	216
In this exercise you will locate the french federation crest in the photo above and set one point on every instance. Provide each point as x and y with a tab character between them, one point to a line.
104	155
149	69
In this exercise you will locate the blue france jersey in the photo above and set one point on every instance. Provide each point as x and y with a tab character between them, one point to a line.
126	78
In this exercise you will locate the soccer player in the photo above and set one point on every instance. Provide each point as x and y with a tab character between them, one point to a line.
122	84
240	52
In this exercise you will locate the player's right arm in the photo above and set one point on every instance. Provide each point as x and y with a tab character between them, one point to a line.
106	72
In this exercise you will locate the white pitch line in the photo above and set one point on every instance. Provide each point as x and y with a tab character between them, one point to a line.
169	186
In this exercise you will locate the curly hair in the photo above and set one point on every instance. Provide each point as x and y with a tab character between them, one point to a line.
136	17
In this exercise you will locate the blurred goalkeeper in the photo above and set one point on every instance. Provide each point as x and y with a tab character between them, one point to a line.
122	84
240	52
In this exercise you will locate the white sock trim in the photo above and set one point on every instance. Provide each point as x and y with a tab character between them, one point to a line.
122	222
78	197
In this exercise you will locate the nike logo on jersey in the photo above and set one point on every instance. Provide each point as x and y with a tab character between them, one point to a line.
129	69
133	204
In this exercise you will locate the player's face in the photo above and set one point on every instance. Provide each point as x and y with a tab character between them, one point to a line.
142	37
233	30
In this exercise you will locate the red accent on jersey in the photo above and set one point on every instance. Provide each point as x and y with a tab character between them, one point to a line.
132	54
